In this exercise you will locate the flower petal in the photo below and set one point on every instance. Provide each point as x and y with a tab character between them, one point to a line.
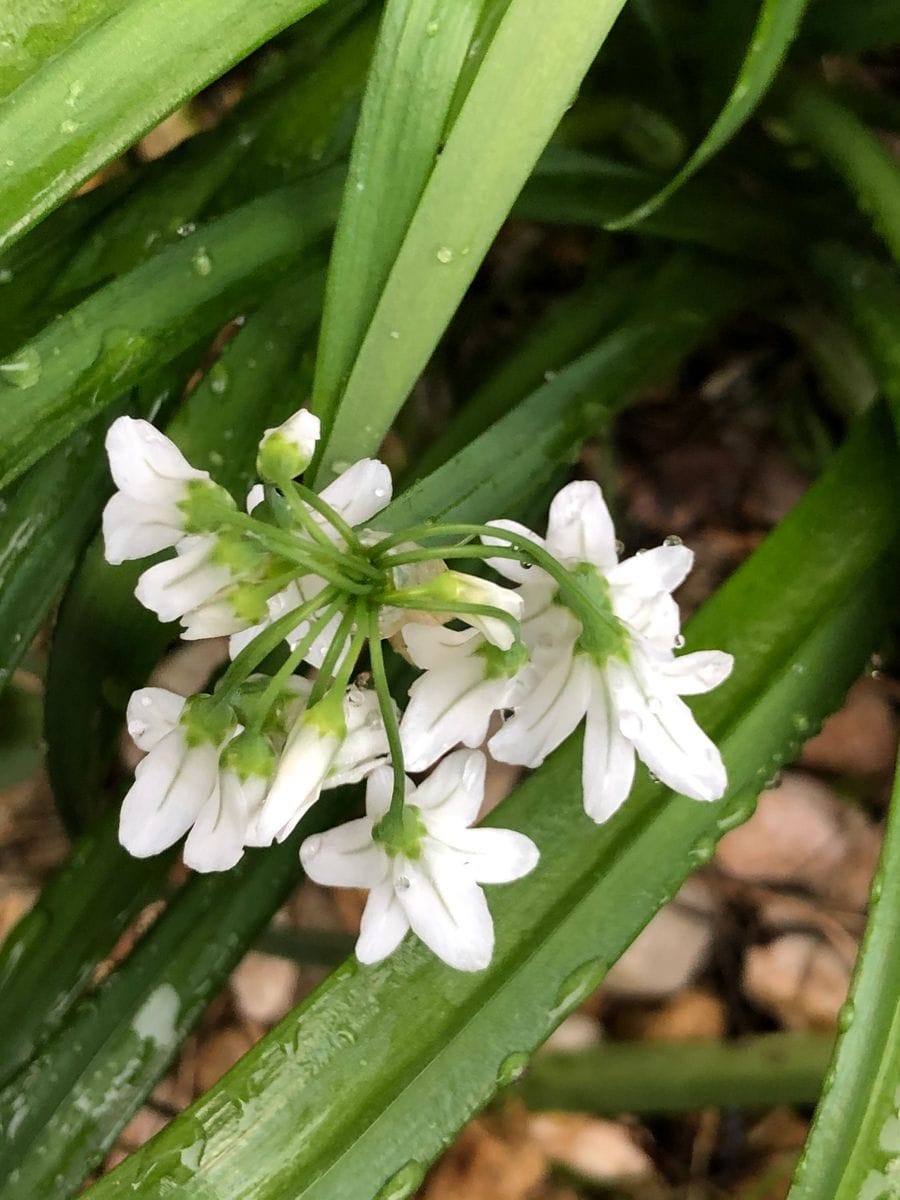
517	571
171	785
549	713
360	492
297	785
345	856
449	706
174	587
607	771
446	908
579	527
379	788
134	529
145	463
693	674
495	855
152	713
452	795
435	646
365	744
661	569
383	924
216	841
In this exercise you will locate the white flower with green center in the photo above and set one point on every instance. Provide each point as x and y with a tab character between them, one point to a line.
465	679
338	740
618	672
176	786
429	880
151	510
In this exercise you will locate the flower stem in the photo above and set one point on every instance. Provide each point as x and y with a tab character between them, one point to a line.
338	642
388	715
268	640
401	599
334	519
290	664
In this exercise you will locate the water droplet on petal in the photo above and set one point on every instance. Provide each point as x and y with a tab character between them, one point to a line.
403	883
672	540
380	493
312	846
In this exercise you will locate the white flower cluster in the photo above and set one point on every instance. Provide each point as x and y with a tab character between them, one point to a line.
301	577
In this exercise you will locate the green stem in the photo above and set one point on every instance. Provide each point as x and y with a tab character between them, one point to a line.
388	716
290	664
455	607
569	587
311	557
334	519
268	640
338	642
457	550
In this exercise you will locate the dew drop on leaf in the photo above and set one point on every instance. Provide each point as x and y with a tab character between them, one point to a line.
23	370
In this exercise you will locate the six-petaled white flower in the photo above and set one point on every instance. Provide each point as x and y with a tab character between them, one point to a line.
622	676
433	884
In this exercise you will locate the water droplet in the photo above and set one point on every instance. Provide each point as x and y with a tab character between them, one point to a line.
360	185
577	986
5	275
201	262
630	725
187	228
68	126
845	1016
800	721
549	376
76	87
445	255
218	378
512	1068
702	852
620	546
380	493
394	334
312	846
401	1184
679	641
403	883
672	540
24	369
432	27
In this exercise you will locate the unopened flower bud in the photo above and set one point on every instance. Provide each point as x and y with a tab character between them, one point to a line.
286	451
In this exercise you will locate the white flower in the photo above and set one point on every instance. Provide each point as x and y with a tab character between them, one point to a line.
147	513
624	678
177	783
332	743
465	679
432	889
286	451
357	495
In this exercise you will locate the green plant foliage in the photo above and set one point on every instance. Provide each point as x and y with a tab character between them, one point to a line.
371	1076
65	119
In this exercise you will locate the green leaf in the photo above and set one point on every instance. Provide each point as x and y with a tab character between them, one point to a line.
570	187
105	644
61	378
43	527
868	292
853	1147
367	1081
50	956
63	1111
514	102
776	28
661	1077
868	169
290	129
834	26
105	79
21	727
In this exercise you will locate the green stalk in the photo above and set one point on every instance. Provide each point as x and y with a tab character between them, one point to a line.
389	717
